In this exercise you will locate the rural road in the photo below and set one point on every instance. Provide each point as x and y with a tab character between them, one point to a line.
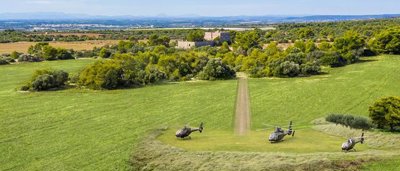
242	115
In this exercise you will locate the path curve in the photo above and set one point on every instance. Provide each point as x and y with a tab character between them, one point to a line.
242	115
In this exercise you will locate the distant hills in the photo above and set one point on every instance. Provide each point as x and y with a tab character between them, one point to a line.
282	18
58	20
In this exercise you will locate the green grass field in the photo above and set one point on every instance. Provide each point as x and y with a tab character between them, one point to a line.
276	101
347	90
97	130
305	141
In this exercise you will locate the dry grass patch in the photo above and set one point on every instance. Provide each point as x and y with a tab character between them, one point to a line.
78	45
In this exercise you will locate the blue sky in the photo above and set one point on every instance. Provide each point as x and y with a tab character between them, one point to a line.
203	7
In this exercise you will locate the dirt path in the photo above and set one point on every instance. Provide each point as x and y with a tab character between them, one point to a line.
242	116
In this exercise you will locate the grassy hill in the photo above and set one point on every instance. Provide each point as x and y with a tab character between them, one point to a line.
97	130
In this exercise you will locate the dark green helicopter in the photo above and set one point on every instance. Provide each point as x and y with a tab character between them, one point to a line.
186	131
350	143
279	134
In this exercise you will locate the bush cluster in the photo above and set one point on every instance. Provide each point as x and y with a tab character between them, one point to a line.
29	58
356	122
46	80
123	71
387	41
127	70
47	52
3	61
215	70
6	59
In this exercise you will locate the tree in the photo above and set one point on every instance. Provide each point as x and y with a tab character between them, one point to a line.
15	55
104	53
386	112
350	46
247	40
37	48
216	70
48	53
305	33
64	54
387	42
224	48
155	40
195	36
124	46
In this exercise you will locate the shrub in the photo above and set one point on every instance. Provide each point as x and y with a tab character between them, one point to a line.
333	59
356	122
216	70
64	54
310	68
287	68
46	79
3	61
15	55
9	59
29	58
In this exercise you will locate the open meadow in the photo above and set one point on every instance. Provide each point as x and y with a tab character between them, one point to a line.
96	130
78	129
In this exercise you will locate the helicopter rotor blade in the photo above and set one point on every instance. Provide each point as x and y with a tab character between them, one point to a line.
268	125
264	129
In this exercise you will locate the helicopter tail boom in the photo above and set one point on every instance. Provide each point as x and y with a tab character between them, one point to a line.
362	138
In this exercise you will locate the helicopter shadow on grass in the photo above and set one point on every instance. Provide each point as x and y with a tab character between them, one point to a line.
287	139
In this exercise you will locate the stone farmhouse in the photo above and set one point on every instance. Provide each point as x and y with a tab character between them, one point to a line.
209	40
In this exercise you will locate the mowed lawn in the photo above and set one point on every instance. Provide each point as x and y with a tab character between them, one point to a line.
346	90
276	101
96	130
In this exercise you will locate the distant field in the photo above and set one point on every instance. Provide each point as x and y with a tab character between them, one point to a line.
79	45
94	35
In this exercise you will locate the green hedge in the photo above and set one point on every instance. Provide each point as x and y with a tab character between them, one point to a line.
356	122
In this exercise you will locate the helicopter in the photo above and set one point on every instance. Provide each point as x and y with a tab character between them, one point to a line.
350	143
279	133
186	131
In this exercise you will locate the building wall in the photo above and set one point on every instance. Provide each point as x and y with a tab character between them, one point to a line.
205	43
188	45
209	40
210	36
224	36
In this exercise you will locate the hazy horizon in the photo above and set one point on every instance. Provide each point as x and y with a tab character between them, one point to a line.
203	8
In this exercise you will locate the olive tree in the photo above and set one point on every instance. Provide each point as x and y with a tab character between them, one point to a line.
386	112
